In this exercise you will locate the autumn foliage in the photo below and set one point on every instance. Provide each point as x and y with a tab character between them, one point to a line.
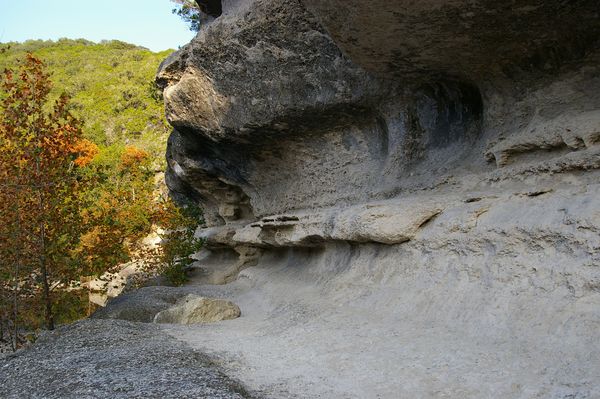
67	209
84	151
132	157
39	188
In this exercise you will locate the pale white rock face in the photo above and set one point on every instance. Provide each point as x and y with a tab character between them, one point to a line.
193	309
386	224
111	285
402	196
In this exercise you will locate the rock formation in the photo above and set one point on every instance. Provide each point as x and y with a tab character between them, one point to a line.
193	309
433	165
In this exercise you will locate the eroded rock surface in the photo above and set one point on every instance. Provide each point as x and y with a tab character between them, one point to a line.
432	163
193	309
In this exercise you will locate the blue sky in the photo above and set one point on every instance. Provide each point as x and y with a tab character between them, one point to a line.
147	23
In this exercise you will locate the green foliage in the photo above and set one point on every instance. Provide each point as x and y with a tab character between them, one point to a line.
189	11
176	274
111	90
119	208
70	305
178	240
106	166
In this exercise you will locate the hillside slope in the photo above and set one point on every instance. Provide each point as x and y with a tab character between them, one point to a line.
111	85
112	92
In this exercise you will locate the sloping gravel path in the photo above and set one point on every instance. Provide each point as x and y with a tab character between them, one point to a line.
113	359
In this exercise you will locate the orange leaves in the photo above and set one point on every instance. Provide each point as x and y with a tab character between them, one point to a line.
133	156
36	144
34	60
85	151
40	211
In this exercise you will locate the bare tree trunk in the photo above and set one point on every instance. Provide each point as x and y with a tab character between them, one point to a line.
42	258
45	284
15	332
2	321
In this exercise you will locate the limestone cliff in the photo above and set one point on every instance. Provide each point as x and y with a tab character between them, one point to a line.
433	165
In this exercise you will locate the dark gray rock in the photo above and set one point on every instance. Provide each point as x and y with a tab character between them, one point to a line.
140	305
473	40
112	359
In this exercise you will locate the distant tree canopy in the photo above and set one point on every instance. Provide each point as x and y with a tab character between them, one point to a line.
111	89
197	12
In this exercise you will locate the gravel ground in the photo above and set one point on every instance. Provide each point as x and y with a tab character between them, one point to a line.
113	359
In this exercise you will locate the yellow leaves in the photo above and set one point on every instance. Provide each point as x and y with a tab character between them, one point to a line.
167	214
91	239
85	151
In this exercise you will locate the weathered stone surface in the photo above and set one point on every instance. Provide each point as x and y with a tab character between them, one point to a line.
419	180
402	196
567	132
383	224
193	309
268	76
139	306
476	40
113	359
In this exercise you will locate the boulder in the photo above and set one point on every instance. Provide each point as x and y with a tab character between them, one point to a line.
193	309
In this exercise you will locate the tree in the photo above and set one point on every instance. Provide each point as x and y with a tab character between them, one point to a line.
127	207
178	241
197	12
41	154
71	208
118	211
189	11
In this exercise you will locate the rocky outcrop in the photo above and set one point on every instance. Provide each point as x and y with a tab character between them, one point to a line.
457	143
194	309
278	107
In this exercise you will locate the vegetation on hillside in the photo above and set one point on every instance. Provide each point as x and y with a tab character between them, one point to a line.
111	87
82	138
